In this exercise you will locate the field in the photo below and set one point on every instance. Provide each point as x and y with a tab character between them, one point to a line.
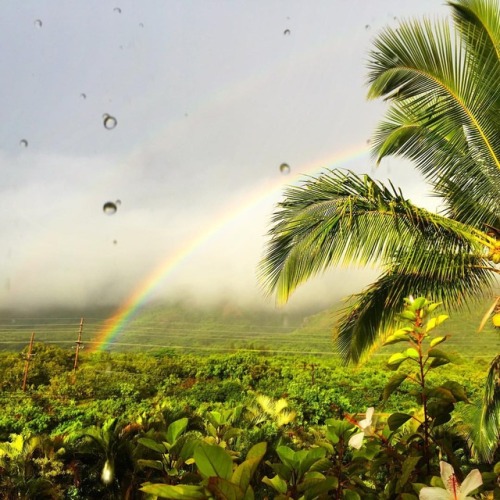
224	328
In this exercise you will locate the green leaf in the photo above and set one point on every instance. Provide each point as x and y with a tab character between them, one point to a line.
431	324
212	460
418	303
443	394
224	489
175	429
437	340
410	315
394	382
393	339
411	353
152	445
350	495
316	490
436	408
282	470
244	472
257	451
408	467
441	419
179	492
437	353
310	458
457	390
396	359
276	483
153	464
396	420
288	457
432	307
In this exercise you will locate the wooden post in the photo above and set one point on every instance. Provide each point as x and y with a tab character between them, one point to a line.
78	344
28	359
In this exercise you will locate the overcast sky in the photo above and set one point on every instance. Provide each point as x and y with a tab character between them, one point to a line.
210	97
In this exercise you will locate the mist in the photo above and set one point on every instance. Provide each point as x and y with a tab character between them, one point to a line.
208	103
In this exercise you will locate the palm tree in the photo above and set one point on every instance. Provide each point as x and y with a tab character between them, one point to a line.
443	89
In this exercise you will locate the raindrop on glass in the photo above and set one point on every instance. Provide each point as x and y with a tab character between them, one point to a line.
109	208
118	10
286	32
83	95
285	168
38	23
23	143
109	121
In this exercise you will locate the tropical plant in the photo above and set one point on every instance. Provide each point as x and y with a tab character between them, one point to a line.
23	468
102	459
443	86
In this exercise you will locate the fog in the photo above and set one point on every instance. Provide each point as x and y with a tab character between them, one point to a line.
209	98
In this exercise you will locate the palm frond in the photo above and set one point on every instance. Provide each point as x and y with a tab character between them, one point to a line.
479	25
470	189
344	219
452	279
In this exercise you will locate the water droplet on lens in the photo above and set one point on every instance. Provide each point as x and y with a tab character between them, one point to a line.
38	23
286	32
109	208
109	121
23	143
285	168
117	9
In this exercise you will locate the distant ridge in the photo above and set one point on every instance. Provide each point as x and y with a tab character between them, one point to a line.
226	327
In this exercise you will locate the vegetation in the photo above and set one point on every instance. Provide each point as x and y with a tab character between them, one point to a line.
248	425
244	425
443	90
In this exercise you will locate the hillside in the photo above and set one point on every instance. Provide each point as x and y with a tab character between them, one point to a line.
226	327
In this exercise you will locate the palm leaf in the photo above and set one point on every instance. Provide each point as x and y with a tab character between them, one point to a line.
374	312
344	219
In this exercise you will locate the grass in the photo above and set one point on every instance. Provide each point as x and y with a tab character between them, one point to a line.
225	328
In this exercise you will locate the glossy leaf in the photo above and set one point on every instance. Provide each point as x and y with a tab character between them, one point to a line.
175	429
178	492
396	420
394	382
276	483
212	460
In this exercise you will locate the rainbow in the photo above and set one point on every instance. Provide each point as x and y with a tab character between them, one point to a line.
114	326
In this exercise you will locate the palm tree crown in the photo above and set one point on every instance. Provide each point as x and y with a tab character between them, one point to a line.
443	87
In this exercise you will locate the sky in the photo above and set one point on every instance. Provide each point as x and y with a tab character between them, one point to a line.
210	97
